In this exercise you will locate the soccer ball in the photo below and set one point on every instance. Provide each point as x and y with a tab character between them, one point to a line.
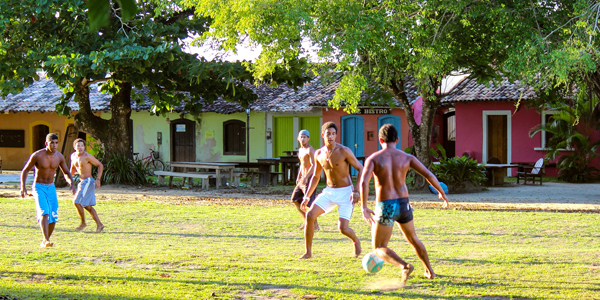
372	263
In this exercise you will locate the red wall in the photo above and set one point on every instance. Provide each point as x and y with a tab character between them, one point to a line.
335	116
469	131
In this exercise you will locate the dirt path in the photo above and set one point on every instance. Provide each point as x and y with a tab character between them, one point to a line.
551	196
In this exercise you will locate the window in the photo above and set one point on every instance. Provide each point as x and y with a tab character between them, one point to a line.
547	118
234	137
451	128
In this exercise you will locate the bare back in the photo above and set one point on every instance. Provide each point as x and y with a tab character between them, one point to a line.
390	167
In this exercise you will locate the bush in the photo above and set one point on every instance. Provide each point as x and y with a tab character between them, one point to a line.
457	170
120	169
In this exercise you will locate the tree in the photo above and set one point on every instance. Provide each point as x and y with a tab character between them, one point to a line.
143	53
374	42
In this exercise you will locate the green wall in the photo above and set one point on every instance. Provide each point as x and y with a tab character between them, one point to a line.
209	135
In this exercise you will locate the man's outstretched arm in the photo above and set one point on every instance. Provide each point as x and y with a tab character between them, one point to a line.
416	165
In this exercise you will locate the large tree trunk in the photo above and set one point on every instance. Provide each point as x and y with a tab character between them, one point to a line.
421	133
113	134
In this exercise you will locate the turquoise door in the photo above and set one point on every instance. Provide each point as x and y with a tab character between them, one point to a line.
353	136
389	119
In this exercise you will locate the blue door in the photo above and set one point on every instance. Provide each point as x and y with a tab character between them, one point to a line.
353	136
389	119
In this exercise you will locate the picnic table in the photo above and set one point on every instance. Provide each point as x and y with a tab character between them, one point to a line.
289	168
499	171
216	166
267	170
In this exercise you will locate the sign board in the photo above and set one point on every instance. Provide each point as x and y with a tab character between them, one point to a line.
179	127
374	111
12	138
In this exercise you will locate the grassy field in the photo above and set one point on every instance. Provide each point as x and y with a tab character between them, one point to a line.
247	249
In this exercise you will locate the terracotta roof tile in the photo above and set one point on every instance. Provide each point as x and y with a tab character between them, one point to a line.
470	90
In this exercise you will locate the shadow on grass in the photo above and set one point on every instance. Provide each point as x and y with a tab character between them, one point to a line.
231	288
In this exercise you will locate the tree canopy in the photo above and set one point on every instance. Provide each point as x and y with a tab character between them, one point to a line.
374	42
145	52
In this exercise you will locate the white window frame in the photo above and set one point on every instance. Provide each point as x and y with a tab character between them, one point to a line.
543	133
508	115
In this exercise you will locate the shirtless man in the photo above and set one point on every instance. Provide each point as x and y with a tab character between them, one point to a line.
45	162
390	166
335	160
82	162
306	154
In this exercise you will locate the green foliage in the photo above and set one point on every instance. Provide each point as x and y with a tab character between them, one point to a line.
99	11
574	128
119	169
459	169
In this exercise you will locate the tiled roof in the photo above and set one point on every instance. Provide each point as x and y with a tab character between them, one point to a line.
43	95
470	90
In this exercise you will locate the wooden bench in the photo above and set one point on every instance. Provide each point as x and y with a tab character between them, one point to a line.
273	177
236	176
161	177
205	176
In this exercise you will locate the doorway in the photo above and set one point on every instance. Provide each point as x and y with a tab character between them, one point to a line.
353	137
183	142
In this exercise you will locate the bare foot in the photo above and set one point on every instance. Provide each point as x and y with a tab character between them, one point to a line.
429	274
305	256
81	227
357	249
301	227
99	228
46	244
405	273
317	227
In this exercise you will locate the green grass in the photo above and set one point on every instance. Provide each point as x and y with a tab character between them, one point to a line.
207	250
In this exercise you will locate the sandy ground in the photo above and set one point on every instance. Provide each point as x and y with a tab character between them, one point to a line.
551	196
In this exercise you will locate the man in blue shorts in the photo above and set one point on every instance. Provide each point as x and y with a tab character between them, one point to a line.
45	162
390	166
306	155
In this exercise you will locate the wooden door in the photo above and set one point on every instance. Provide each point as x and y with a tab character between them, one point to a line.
66	150
389	119
183	140
353	136
497	138
449	134
313	125
284	137
39	136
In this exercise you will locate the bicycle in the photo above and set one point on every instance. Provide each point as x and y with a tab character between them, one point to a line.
152	162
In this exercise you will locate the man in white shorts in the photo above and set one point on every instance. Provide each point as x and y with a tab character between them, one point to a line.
85	198
335	160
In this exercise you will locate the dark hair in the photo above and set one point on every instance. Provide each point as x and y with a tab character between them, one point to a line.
327	126
51	136
78	140
388	133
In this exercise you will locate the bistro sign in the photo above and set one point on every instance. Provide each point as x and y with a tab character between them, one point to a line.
12	138
374	111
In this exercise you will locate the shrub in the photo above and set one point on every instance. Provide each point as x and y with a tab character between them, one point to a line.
457	169
120	169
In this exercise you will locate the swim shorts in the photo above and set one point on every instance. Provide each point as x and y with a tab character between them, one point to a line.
388	211
46	201
330	197
85	194
301	189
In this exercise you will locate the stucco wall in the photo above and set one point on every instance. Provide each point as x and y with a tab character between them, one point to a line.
332	115
15	158
469	131
208	135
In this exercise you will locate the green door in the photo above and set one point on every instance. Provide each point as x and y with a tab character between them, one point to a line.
283	135
313	125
